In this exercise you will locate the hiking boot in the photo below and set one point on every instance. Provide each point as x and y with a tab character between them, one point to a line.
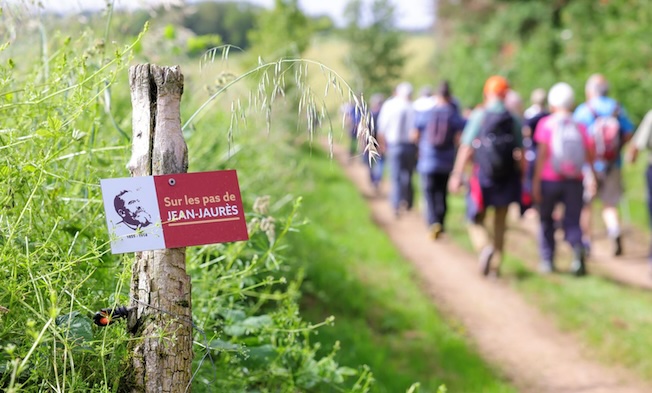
618	246
578	266
485	260
435	231
546	267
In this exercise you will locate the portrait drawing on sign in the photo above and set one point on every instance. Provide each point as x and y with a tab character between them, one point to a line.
130	209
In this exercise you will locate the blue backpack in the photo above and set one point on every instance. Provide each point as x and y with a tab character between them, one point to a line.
494	147
439	129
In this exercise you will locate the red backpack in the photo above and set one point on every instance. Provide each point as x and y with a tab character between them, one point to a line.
606	135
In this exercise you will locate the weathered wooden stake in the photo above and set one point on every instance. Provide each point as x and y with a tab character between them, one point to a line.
160	287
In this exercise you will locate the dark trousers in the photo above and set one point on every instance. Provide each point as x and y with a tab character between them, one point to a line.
568	192
402	160
435	191
648	176
375	168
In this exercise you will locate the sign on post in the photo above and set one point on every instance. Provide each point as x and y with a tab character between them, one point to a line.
172	211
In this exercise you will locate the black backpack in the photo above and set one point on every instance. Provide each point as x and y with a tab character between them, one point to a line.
494	147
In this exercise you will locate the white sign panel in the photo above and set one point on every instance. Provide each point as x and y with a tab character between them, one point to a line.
134	221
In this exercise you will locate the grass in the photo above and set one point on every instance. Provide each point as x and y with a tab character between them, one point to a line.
354	273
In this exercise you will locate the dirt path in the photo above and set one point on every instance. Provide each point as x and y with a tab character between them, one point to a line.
526	346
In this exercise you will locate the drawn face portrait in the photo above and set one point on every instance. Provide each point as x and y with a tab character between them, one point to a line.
129	208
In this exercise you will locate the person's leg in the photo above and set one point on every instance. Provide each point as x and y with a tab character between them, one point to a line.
353	144
610	195
589	194
428	189
572	199
500	227
549	197
478	232
410	164
481	241
376	171
440	197
648	176
393	160
403	175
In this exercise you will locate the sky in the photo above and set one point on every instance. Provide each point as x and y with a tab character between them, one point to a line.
411	14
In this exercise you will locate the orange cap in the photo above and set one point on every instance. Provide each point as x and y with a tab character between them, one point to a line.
496	85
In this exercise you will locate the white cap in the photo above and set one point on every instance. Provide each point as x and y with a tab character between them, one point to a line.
404	89
561	96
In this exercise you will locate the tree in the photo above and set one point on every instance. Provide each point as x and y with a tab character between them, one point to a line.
375	57
230	20
282	32
538	42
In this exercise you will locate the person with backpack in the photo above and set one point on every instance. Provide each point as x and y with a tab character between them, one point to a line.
395	125
609	128
437	135
563	151
492	141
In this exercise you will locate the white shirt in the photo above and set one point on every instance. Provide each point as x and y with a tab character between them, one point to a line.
396	120
423	104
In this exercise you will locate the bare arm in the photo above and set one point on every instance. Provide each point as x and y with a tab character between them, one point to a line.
542	152
464	155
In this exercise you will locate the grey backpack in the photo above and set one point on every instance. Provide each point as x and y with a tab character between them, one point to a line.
568	153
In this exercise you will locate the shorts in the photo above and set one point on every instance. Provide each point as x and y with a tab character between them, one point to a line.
610	187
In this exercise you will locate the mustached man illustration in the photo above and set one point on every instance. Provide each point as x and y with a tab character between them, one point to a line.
130	209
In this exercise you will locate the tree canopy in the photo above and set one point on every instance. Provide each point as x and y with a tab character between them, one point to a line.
536	43
375	57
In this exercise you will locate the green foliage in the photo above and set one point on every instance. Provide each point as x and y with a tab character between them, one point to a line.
375	55
59	139
198	45
170	32
537	43
54	263
231	20
282	32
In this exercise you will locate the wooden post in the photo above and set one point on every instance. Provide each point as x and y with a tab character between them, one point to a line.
161	314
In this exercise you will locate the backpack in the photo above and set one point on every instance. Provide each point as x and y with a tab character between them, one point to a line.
438	128
606	135
494	146
567	150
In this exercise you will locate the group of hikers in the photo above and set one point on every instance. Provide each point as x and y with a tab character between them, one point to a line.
555	158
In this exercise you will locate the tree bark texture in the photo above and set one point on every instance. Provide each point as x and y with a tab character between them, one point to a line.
161	316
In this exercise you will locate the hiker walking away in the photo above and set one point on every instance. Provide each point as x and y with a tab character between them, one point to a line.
642	140
352	113
395	123
375	164
563	151
531	117
609	128
492	141
437	134
537	104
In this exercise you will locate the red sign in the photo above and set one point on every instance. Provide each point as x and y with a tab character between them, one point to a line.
200	208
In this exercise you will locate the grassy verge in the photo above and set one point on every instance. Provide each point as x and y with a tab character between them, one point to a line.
383	318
